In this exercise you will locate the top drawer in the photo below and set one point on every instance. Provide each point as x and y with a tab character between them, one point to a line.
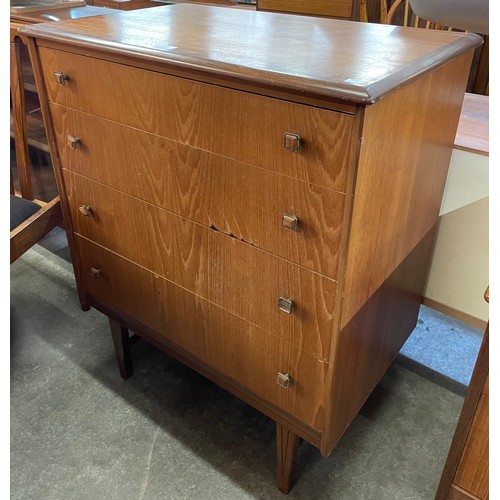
236	124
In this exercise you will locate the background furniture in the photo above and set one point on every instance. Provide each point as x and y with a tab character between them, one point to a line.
35	210
27	128
342	9
471	15
460	266
399	13
466	471
445	17
125	4
232	216
30	219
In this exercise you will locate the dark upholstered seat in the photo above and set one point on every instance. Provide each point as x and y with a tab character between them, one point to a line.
21	210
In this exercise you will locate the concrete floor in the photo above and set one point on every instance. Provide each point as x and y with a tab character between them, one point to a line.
78	431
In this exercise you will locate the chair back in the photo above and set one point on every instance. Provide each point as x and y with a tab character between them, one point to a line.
401	13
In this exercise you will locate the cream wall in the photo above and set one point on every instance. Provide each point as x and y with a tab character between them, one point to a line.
459	270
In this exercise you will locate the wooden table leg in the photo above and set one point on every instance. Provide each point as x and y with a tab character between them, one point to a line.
288	451
121	342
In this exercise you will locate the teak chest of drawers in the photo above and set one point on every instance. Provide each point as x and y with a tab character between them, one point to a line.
254	193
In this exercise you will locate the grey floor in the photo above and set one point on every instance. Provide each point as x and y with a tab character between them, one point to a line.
78	431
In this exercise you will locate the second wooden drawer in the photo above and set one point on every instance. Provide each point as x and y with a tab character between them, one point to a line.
234	197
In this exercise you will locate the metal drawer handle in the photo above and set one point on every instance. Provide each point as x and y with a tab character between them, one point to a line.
289	221
60	78
285	305
283	379
72	142
85	210
293	142
95	273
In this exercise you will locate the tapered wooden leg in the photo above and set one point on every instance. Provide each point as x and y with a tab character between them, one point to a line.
121	342
288	451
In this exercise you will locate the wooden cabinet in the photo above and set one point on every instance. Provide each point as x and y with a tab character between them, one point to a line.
466	471
249	210
125	4
26	122
354	10
34	124
329	8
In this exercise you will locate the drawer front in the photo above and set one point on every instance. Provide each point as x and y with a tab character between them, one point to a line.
235	124
234	275
234	347
234	197
330	8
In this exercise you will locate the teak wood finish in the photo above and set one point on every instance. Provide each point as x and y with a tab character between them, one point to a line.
203	187
328	8
49	214
125	4
56	15
466	471
473	127
27	130
175	178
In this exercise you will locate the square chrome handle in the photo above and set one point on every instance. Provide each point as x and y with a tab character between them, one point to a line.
85	210
95	273
285	305
289	221
72	142
293	142
60	78
283	379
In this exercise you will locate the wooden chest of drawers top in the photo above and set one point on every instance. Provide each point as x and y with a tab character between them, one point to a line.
305	59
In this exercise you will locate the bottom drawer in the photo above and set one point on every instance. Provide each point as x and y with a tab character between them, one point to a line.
243	352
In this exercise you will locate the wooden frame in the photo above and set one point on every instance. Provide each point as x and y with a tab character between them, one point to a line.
30	231
478	388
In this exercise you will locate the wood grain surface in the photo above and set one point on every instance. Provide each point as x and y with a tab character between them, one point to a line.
189	132
234	124
233	346
457	493
126	4
473	127
403	165
18	111
33	229
232	274
465	473
473	471
287	444
368	344
274	51
62	14
329	8
236	198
